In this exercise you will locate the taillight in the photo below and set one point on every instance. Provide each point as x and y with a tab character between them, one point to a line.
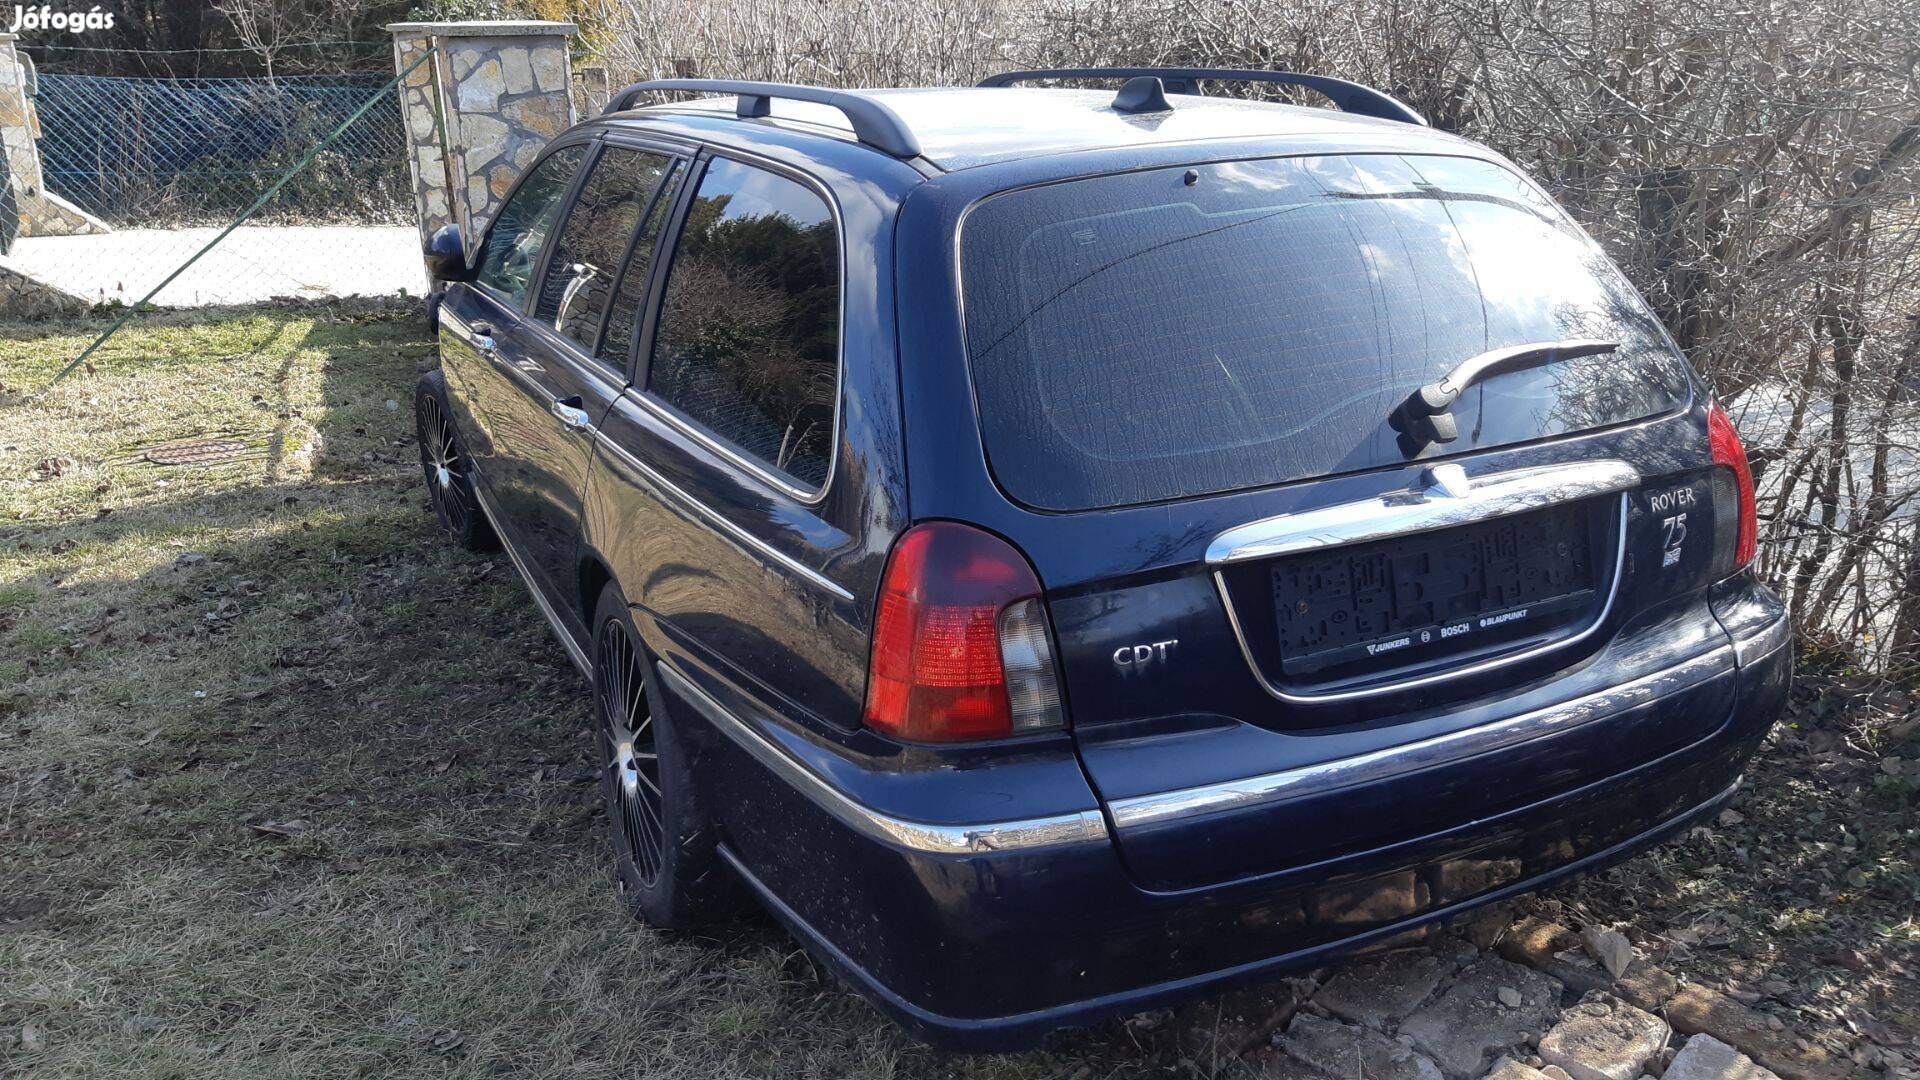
960	643
1734	511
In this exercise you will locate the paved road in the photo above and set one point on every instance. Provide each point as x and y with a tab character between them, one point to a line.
257	262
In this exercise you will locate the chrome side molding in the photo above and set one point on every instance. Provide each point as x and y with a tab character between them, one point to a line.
1444	497
1086	826
765	551
1384	764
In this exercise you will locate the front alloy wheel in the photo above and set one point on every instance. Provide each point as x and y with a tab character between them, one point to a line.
447	469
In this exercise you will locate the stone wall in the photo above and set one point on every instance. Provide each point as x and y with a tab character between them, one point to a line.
42	213
479	111
23	297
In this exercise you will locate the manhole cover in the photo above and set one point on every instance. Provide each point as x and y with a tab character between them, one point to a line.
195	451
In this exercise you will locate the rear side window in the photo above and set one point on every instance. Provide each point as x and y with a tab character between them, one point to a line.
1139	337
593	241
749	336
512	250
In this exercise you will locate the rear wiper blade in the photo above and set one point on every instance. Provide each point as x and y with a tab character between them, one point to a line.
1425	417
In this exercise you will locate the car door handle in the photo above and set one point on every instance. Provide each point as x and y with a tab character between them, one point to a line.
571	414
483	339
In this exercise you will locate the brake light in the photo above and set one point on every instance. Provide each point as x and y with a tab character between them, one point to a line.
960	643
1724	442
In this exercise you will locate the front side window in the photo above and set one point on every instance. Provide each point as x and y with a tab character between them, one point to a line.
512	249
749	336
594	239
1180	332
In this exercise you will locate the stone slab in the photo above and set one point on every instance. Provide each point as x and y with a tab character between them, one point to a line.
1343	1050
1604	1038
482	28
1538	943
1696	1010
1508	1069
1383	991
1466	1027
24	297
1707	1058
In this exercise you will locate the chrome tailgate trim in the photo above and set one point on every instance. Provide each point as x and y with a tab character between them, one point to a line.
1447	497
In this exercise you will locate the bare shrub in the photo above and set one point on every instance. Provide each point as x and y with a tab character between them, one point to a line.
853	43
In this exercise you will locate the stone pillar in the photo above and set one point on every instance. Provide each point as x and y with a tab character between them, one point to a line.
591	91
42	213
478	111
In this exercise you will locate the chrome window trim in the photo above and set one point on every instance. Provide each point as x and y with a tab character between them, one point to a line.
1085	826
740	534
694	429
1384	764
1447	498
1379	518
574	652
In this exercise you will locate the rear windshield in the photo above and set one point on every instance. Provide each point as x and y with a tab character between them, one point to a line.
1179	332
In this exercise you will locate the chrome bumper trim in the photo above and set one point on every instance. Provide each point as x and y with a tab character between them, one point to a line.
1754	648
1087	826
1384	764
574	651
1447	498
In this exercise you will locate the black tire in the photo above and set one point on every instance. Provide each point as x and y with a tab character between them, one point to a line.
448	469
663	846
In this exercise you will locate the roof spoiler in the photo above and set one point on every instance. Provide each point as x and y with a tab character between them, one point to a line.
873	123
1348	96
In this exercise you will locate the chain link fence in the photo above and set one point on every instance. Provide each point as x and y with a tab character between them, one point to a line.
151	153
140	173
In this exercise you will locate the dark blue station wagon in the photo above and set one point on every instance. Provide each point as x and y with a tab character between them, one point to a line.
1065	552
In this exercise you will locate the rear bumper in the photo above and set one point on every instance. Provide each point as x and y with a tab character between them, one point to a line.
1019	1030
986	938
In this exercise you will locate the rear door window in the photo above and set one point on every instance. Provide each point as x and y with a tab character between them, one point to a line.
748	343
594	239
512	250
1172	333
630	295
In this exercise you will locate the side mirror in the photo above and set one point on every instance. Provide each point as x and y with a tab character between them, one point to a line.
447	255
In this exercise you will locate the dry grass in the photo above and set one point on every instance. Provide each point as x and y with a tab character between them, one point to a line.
190	653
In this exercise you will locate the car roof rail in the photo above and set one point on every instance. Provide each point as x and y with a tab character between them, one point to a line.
1349	96
873	123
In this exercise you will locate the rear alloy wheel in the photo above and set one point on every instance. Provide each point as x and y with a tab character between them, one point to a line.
448	473
663	849
634	803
